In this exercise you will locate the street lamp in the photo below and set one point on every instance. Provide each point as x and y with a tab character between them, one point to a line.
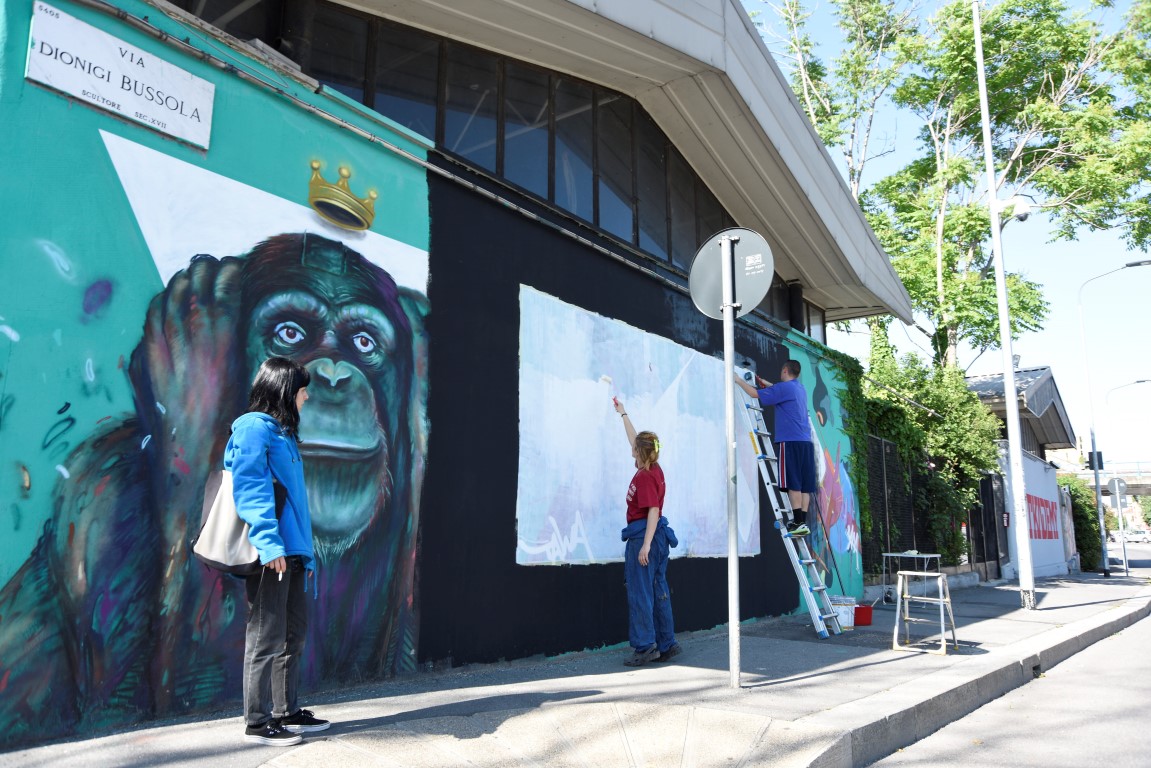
1128	384
1010	396
1091	410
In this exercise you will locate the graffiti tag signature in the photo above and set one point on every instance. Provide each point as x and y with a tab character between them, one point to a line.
558	548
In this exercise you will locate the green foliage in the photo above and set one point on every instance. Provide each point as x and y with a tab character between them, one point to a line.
1070	121
941	257
1110	520
946	507
1144	503
888	415
1070	115
955	439
1086	520
840	100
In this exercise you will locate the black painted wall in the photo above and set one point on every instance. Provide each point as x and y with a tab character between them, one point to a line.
475	603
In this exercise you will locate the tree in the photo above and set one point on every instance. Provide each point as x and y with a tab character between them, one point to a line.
1144	503
870	64
1086	520
1070	127
951	434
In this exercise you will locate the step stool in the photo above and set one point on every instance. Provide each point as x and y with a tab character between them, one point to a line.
903	601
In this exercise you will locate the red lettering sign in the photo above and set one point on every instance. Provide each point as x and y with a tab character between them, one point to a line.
1044	516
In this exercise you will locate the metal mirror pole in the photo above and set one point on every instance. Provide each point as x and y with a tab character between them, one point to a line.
729	307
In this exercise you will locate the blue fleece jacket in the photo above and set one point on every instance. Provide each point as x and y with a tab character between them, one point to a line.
258	451
638	529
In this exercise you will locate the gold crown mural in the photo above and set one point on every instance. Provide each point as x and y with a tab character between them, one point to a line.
336	203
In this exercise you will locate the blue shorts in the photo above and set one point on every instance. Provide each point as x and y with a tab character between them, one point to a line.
796	466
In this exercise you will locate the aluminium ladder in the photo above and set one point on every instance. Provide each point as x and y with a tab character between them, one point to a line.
823	616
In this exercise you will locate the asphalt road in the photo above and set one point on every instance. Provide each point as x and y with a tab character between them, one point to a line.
1091	710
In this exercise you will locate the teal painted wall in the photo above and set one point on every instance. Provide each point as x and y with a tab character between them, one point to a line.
836	540
107	428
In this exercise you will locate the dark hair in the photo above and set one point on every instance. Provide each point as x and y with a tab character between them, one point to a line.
274	392
793	367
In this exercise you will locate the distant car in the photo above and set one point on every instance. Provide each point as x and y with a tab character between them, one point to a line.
1140	537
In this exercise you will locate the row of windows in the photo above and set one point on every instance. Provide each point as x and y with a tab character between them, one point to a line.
590	151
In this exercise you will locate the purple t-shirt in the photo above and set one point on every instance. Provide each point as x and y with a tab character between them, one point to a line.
790	401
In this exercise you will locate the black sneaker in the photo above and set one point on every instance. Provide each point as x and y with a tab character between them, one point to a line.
639	658
271	733
669	654
304	721
797	529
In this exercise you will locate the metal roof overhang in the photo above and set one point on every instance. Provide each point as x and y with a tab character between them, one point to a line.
1039	404
704	75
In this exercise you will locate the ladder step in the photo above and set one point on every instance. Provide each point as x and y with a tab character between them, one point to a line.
820	588
826	616
807	562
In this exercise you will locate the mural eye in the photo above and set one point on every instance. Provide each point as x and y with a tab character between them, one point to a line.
363	343
289	333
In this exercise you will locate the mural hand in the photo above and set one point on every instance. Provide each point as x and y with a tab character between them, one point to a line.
184	370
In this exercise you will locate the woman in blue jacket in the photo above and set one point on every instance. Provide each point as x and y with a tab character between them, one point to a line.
268	487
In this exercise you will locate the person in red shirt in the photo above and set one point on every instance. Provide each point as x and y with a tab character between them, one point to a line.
649	539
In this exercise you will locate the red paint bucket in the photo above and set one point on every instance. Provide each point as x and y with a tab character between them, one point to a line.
863	615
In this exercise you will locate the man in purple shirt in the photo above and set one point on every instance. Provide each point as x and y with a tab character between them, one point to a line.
792	439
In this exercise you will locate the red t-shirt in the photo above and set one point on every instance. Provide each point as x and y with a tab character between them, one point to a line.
646	491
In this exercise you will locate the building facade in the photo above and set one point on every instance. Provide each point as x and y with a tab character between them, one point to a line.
475	227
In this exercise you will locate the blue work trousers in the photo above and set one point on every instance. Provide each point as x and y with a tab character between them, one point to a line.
648	596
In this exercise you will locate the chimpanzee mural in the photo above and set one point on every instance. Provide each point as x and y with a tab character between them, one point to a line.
835	538
110	620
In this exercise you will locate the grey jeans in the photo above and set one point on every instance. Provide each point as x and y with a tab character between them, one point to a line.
274	642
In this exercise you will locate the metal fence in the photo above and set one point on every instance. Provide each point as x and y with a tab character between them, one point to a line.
897	526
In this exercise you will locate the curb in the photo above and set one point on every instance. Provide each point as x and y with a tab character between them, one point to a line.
876	726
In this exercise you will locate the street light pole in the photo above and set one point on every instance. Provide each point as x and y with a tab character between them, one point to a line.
1010	396
1091	412
1121	386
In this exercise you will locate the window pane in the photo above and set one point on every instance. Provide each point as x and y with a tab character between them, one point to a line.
778	298
616	212
526	95
573	148
684	241
242	21
339	51
471	104
652	175
712	217
407	65
816	324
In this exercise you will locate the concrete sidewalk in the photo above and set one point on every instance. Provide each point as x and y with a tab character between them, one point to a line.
844	701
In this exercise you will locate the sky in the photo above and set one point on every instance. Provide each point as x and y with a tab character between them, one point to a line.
1115	315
